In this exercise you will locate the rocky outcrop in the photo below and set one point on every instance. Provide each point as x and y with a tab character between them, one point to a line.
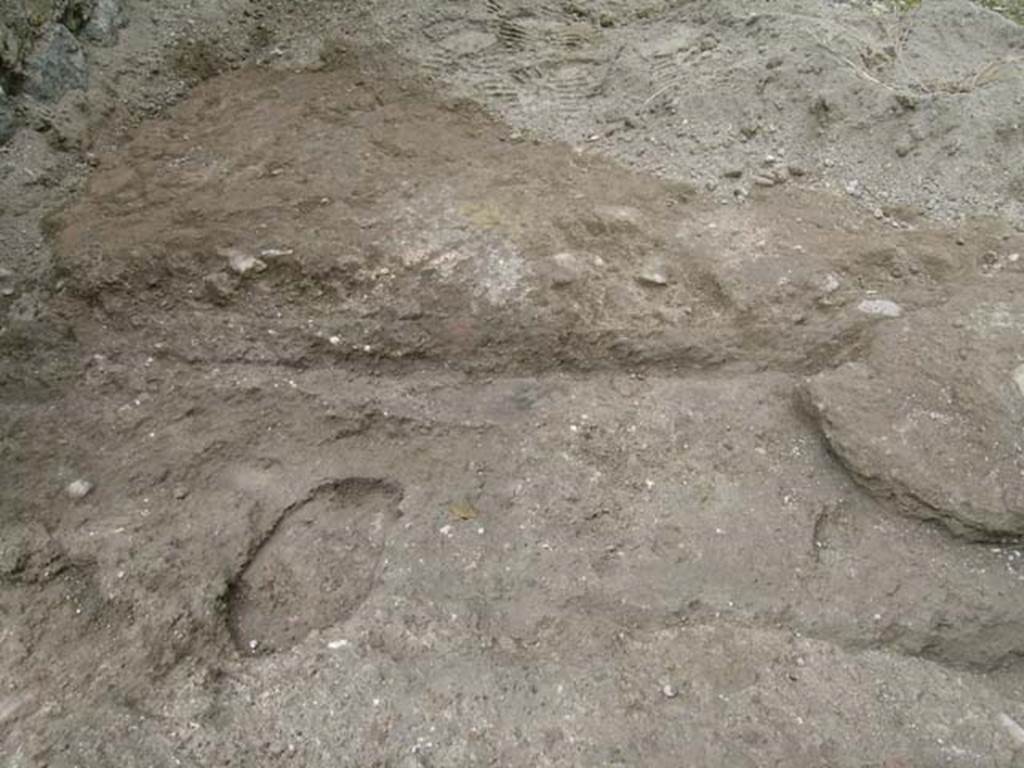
7	118
932	419
41	49
105	20
56	65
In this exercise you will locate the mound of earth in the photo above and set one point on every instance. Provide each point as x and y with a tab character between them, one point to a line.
337	217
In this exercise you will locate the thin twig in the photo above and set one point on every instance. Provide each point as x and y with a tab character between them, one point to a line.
655	95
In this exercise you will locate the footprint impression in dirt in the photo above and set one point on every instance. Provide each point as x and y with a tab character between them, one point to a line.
315	567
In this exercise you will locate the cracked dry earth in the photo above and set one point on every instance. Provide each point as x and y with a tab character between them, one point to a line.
416	443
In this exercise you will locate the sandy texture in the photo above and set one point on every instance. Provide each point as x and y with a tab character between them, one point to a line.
350	419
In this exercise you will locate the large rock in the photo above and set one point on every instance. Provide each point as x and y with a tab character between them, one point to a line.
932	419
56	65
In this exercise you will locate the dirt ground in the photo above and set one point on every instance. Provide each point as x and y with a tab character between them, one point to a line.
363	404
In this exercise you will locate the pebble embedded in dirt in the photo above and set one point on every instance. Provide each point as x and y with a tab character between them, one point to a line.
653	276
656	272
79	489
616	218
880	308
242	263
566	269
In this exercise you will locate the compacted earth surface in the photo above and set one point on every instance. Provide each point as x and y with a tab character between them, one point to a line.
511	384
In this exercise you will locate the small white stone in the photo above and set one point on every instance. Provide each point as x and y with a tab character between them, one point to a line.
241	262
336	644
1018	377
669	691
830	284
880	308
79	489
1013	728
653	276
566	268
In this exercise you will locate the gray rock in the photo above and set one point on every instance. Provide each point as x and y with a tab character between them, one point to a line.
11	45
28	554
56	65
565	269
8	122
105	21
931	420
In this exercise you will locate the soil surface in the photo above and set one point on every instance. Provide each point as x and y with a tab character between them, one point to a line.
376	403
